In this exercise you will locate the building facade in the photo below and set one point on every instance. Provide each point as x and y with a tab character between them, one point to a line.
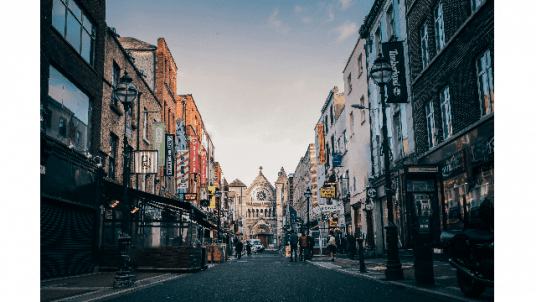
305	177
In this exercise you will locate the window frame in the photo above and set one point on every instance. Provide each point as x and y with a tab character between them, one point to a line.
349	79
446	112
439	25
423	33
112	157
145	123
487	72
475	4
363	116
391	21
360	64
430	124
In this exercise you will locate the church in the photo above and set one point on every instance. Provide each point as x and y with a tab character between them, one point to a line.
260	207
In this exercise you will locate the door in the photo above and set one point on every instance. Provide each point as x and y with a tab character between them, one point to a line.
263	240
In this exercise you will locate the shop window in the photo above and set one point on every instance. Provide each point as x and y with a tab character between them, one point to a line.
71	106
74	25
485	83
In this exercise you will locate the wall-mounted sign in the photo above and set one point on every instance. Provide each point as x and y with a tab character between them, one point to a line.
327	192
158	142
170	155
190	196
453	165
483	151
321	150
330	208
333	223
396	89
422	169
145	162
212	198
194	148
337	159
372	192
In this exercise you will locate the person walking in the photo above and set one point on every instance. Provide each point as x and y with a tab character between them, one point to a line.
239	246
293	245
332	246
248	248
303	246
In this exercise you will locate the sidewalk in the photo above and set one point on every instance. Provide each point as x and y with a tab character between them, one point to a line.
444	275
97	286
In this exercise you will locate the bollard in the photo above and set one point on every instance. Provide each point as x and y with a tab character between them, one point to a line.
362	268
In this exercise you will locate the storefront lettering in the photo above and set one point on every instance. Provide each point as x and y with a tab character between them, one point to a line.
453	164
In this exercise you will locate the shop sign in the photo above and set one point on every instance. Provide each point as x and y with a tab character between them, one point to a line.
170	156
212	198
453	165
203	167
322	150
483	151
158	142
190	196
396	88
333	223
182	169
330	208
327	192
371	192
145	162
194	149
337	160
422	169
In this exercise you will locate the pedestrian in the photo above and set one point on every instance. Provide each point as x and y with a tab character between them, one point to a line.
293	245
239	246
303	246
310	246
332	246
248	248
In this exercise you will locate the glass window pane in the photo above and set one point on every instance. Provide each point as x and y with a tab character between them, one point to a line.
73	31
88	25
75	9
58	16
87	42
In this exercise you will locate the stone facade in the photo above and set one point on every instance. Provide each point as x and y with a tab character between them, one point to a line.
305	177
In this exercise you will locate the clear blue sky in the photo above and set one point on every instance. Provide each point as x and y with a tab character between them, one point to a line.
259	71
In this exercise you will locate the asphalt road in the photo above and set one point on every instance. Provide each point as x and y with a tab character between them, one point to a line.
271	277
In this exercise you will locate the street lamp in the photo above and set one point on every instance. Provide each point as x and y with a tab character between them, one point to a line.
217	194
307	195
381	73
126	93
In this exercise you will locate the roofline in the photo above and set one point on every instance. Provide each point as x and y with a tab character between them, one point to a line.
352	54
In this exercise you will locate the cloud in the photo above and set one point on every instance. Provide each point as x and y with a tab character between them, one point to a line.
346	30
331	14
275	22
298	9
345	4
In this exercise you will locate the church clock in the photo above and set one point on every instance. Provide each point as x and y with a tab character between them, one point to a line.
261	195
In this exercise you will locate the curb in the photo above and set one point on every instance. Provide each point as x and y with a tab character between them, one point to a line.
395	283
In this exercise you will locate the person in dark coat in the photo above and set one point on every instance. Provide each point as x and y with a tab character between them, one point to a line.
293	245
239	246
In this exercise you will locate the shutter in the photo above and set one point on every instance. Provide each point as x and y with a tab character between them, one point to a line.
66	239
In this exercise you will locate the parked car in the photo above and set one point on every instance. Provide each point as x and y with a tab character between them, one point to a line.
256	245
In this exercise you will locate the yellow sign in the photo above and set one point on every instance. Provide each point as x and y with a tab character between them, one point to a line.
327	192
211	191
332	223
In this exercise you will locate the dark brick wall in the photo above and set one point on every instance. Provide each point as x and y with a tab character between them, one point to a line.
454	65
57	51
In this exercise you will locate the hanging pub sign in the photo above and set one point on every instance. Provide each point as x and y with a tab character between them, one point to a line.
211	197
396	89
203	167
190	196
337	159
182	169
194	149
145	162
158	142
327	192
170	156
321	151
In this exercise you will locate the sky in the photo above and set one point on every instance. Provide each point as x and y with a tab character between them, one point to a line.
259	71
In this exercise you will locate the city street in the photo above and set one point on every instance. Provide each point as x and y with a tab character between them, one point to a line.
271	277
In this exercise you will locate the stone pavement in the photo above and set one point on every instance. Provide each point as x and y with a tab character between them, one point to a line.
98	286
444	275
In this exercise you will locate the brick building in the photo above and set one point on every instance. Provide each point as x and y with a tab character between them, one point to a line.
452	59
305	177
72	61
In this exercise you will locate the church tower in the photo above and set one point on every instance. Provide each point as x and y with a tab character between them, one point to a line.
281	188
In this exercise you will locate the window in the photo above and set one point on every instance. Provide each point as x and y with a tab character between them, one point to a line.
446	117
476	4
326	124
145	119
77	138
355	187
398	135
378	40
71	108
362	102
349	82
424	45
113	156
430	124
485	83
439	27
360	64
344	135
74	26
115	80
352	121
331	113
391	26
339	145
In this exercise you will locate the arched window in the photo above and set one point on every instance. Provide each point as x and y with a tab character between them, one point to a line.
249	213
257	212
261	211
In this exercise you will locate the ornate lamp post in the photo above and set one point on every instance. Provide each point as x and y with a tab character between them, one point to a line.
126	93
217	194
381	73
307	195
